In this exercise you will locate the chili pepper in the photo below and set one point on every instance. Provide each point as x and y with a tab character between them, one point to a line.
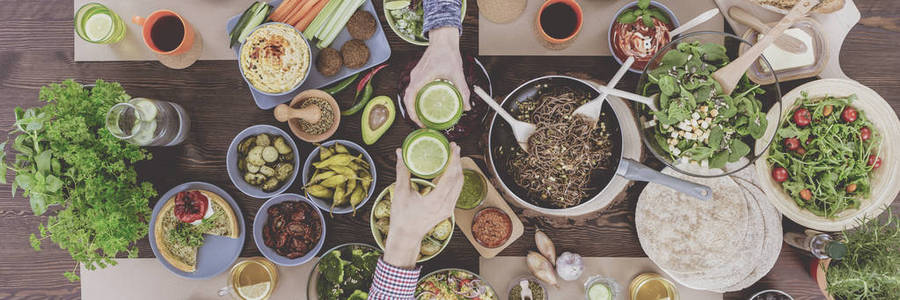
337	88
365	87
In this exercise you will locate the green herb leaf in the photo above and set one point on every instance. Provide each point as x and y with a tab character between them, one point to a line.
667	85
715	137
738	150
627	17
659	15
43	161
648	21
699	153
643	4
719	160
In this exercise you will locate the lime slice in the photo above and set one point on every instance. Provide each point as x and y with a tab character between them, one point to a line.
147	108
599	291
426	153
397	4
255	291
98	26
439	105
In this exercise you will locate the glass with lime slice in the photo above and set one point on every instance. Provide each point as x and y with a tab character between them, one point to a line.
426	153
396	4
439	105
600	288
148	122
96	23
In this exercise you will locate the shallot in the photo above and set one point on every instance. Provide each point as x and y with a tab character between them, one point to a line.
569	266
541	268
545	246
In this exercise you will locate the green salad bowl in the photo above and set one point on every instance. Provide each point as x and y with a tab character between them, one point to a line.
393	23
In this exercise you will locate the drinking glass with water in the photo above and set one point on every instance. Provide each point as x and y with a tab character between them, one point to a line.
148	122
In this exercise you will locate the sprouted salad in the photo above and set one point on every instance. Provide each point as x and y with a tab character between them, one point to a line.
697	122
453	285
825	155
408	18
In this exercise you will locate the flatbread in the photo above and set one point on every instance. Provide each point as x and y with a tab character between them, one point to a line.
684	235
231	230
501	11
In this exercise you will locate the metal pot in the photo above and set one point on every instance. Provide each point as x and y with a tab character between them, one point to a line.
608	182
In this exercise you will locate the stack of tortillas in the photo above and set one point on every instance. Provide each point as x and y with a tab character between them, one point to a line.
725	244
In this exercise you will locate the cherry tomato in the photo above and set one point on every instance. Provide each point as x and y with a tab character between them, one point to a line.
851	188
779	174
827	110
849	114
800	151
791	143
874	161
865	133
806	194
801	117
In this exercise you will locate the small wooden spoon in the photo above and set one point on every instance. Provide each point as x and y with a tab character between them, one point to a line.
729	75
785	42
521	130
311	113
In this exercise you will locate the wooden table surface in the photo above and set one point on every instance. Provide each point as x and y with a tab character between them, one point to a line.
36	49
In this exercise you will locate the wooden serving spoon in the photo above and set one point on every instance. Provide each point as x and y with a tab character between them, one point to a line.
591	110
729	75
785	42
521	130
310	114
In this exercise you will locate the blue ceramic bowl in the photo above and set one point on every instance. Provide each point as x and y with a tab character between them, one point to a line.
231	161
325	204
665	9
308	62
260	220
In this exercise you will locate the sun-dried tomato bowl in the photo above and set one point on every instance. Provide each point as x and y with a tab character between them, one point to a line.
262	217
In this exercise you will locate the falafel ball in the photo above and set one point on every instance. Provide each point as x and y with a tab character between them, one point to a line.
355	53
329	62
361	25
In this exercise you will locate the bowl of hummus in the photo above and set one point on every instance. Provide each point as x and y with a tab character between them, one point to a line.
275	59
631	35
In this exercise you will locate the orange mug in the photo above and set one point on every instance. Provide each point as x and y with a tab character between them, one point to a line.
559	21
166	32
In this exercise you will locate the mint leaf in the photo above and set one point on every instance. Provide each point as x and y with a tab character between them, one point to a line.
627	17
643	4
648	21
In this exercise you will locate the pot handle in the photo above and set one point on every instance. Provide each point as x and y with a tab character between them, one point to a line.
633	170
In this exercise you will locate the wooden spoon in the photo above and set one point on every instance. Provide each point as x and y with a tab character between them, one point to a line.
729	75
591	110
785	42
311	113
521	130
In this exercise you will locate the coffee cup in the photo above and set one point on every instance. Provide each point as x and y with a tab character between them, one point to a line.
559	21
166	32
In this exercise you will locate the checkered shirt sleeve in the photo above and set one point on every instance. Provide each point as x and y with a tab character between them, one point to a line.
392	283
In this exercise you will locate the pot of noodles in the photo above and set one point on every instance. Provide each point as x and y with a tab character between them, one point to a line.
572	167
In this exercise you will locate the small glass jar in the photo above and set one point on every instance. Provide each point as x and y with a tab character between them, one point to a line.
610	284
480	195
652	286
515	283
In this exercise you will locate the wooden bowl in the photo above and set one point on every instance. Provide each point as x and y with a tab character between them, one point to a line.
294	124
819	268
885	180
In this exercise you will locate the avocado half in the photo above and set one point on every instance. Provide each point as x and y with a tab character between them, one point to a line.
377	118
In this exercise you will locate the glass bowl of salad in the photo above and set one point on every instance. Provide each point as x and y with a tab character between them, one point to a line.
343	272
698	130
454	284
406	18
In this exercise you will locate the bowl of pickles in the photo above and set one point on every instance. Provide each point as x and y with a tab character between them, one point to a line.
380	219
339	176
262	161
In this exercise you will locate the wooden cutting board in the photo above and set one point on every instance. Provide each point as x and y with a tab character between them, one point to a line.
835	27
499	271
519	38
464	217
208	17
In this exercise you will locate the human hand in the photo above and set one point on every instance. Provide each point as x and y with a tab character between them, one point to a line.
442	60
413	215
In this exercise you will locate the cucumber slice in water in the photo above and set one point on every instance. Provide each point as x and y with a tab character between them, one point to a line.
146	131
147	108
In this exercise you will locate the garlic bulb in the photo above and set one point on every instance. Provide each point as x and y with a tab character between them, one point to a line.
569	266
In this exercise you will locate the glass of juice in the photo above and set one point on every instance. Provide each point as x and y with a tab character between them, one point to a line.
652	286
251	279
96	23
148	122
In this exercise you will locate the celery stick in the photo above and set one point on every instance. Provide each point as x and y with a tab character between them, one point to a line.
332	21
342	18
319	22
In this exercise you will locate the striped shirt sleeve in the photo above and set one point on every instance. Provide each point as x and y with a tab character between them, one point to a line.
442	13
393	283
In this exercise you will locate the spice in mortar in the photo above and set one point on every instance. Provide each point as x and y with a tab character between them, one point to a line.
537	292
325	122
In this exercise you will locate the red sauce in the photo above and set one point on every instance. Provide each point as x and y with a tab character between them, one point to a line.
639	41
491	227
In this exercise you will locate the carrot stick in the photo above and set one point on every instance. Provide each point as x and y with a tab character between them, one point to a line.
311	15
282	9
302	12
287	16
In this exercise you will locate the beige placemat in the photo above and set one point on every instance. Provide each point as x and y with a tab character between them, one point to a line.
499	271
146	278
835	27
206	16
518	37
